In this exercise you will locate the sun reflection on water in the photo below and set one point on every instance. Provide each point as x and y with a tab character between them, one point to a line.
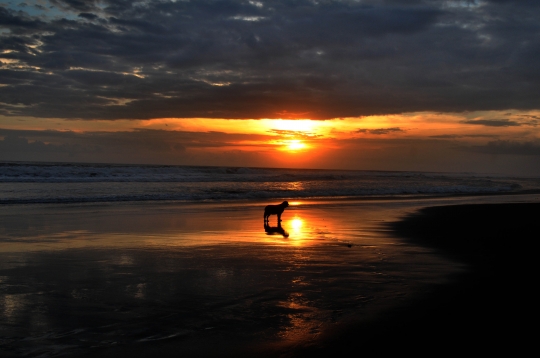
297	223
297	234
302	319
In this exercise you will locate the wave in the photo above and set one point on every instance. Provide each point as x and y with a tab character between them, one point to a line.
61	194
74	182
14	172
76	173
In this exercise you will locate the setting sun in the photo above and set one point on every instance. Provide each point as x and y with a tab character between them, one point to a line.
295	144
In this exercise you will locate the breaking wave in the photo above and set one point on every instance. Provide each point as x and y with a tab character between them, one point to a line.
69	183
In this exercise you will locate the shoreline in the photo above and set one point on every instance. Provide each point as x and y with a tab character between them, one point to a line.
423	200
316	199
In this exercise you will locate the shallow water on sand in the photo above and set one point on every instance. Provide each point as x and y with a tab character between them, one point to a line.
82	278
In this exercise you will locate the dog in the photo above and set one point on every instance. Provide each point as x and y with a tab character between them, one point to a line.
275	210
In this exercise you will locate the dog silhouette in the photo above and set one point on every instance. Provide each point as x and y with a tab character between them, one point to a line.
275	210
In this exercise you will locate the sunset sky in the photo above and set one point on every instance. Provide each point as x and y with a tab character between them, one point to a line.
376	85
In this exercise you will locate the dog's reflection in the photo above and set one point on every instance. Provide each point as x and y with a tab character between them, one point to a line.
275	230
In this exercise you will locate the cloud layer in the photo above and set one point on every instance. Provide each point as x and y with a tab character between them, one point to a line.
443	153
117	59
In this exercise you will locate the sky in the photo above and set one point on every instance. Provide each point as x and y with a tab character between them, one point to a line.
422	85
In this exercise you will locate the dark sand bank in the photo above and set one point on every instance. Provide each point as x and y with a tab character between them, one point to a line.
487	309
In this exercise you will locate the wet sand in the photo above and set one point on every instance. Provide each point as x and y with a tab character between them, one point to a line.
486	309
207	280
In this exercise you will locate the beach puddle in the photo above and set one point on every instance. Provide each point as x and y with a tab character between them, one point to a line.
80	279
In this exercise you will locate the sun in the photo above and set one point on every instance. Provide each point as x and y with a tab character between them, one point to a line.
295	144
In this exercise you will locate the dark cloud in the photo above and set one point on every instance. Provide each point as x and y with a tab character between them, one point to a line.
493	122
504	147
135	141
18	22
88	16
76	5
115	59
379	131
457	136
138	146
216	148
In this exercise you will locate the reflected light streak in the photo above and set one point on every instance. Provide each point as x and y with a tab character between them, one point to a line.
302	321
296	224
297	236
11	305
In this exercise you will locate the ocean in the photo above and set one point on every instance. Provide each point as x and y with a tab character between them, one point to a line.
77	183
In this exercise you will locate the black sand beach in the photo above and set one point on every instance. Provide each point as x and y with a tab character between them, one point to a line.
355	279
486	310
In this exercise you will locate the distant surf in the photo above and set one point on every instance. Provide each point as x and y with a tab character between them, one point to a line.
23	182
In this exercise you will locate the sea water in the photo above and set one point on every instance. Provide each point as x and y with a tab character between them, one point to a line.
75	182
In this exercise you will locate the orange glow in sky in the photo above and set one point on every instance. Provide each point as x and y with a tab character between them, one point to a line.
408	141
301	125
409	125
